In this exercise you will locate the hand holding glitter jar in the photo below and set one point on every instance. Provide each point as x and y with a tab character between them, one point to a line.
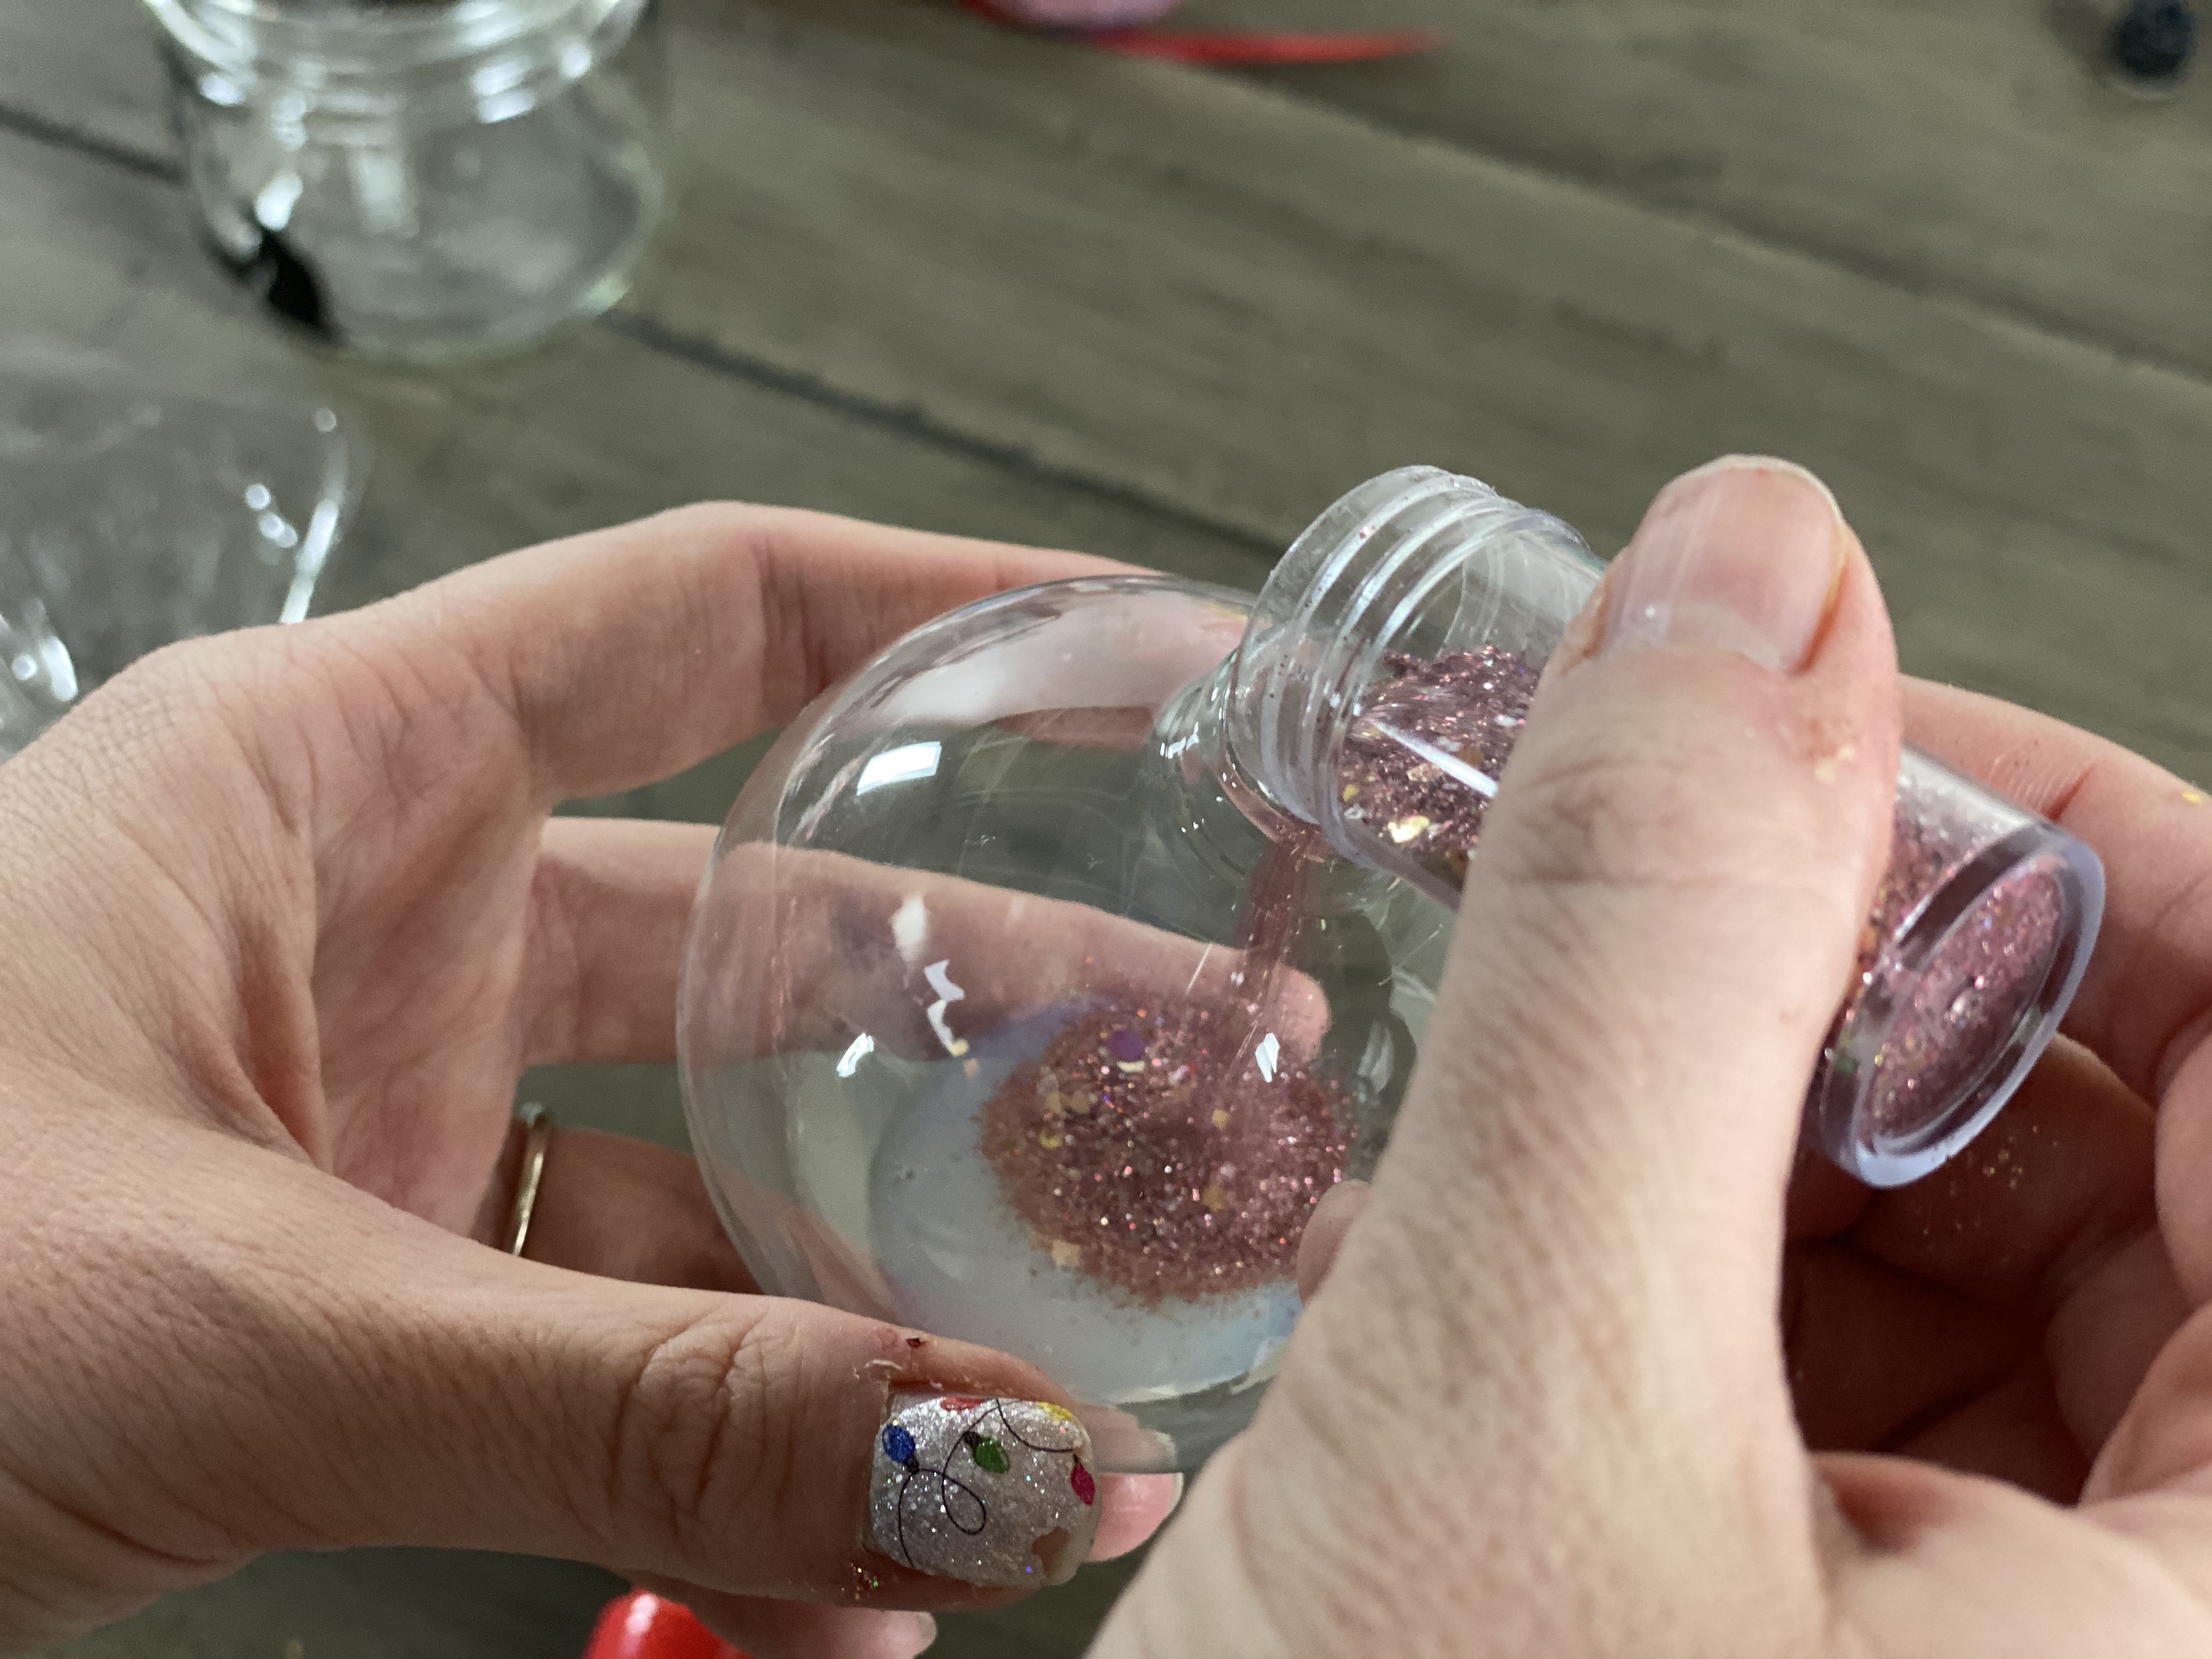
1577	1380
1142	892
1386	677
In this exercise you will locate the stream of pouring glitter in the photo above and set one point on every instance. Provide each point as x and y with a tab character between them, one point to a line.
1177	1151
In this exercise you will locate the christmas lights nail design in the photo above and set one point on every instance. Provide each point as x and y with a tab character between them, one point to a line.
991	1492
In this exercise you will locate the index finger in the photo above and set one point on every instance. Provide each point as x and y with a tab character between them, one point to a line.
807	948
630	653
2143	1002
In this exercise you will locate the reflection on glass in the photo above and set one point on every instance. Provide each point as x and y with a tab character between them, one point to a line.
130	519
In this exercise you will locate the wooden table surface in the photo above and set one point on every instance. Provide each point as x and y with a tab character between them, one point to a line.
929	272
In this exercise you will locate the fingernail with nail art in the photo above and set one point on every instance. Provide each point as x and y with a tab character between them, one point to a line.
991	1492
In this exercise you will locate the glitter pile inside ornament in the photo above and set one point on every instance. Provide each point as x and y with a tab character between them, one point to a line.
1165	1153
1421	761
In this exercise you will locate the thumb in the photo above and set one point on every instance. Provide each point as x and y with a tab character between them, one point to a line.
1659	931
743	1444
1563	1289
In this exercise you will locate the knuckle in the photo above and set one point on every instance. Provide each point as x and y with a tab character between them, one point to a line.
1602	812
715	520
696	1442
162	717
144	707
1634	805
713	534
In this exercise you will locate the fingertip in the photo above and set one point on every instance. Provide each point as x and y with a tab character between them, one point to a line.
883	1636
1132	1508
1300	1012
1788	575
1326	1228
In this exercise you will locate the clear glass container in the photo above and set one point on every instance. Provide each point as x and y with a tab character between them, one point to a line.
131	516
427	180
1052	967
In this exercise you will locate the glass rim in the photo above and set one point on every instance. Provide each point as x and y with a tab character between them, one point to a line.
249	40
1842	1120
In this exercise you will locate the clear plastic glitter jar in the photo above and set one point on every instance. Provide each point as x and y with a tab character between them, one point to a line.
1053	966
1377	697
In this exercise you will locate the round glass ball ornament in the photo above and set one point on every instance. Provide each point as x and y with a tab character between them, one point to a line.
1053	966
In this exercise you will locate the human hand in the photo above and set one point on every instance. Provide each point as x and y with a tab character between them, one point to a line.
287	916
1587	1373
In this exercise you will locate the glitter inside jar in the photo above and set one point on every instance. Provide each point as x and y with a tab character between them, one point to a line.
1390	664
1958	953
1966	1003
1421	763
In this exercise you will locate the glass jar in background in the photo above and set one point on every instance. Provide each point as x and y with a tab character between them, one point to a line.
425	180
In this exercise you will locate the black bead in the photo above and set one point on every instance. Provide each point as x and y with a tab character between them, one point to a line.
2155	41
285	282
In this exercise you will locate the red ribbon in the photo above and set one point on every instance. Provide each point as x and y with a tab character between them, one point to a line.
1228	46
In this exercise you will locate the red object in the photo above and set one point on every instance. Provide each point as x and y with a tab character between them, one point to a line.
1218	47
642	1626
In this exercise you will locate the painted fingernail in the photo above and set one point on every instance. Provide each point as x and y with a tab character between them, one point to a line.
991	1491
1743	554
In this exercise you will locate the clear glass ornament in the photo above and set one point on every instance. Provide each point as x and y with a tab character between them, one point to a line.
1053	965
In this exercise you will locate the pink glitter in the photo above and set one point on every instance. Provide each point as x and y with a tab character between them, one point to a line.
1417	770
1962	1008
1156	1150
1466	708
1146	1149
